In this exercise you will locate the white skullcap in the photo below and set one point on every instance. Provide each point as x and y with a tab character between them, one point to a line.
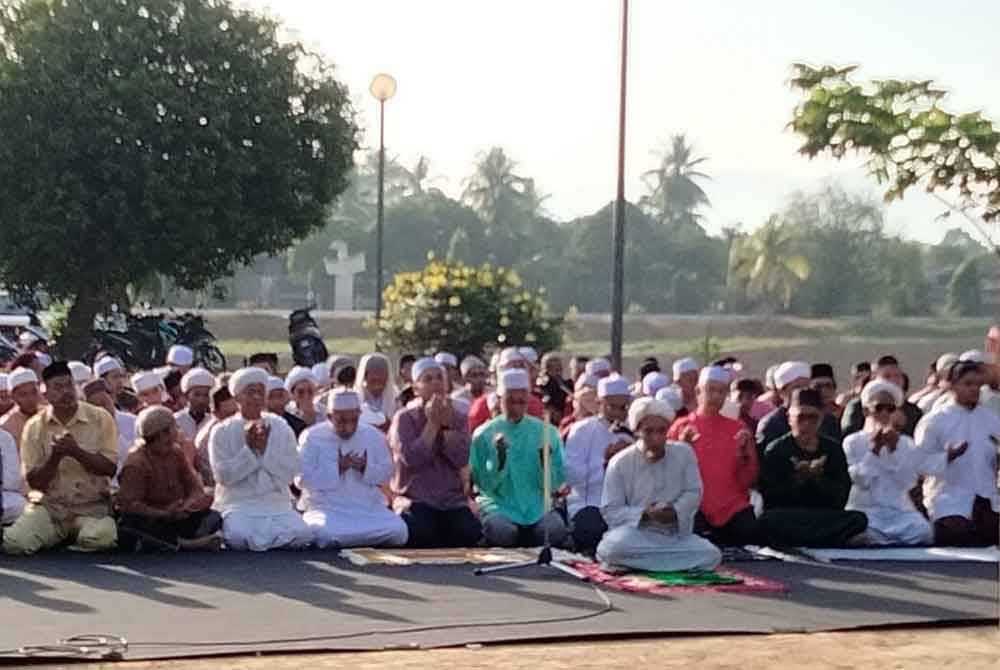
143	381
877	387
22	376
492	401
529	354
444	358
596	366
586	379
769	377
653	382
275	384
945	362
4	381
508	356
645	407
297	375
80	372
196	377
713	373
470	363
422	365
973	355
672	396
343	400
245	377
321	374
106	365
514	380
613	385
685	365
790	371
43	358
180	355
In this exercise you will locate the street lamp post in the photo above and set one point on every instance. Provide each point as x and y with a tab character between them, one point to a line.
618	230
383	87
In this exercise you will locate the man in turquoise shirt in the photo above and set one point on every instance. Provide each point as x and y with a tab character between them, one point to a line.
506	462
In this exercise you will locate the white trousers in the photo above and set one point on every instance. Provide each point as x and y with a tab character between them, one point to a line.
248	531
626	547
356	527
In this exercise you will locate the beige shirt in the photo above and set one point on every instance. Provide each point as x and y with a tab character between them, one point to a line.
74	490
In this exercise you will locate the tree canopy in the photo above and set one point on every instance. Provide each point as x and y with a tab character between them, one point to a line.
908	137
178	137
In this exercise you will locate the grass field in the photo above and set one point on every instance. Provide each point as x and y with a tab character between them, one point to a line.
757	341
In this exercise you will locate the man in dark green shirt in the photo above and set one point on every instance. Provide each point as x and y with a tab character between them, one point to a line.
805	483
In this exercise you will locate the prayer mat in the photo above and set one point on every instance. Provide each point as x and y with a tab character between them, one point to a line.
928	554
722	580
401	557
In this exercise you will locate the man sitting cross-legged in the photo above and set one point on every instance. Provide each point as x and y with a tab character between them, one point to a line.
344	462
651	495
884	465
430	447
805	484
507	469
254	458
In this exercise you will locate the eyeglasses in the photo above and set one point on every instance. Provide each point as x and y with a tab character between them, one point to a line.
884	408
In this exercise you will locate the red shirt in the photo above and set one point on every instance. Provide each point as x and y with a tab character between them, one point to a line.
724	476
479	412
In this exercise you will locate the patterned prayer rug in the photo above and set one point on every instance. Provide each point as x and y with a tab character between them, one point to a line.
723	580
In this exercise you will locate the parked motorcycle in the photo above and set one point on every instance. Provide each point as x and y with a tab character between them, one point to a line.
305	339
143	341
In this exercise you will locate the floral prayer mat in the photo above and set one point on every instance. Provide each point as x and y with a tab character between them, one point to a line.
723	580
476	556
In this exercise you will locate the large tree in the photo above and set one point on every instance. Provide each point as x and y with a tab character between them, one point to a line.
180	137
908	137
771	264
674	195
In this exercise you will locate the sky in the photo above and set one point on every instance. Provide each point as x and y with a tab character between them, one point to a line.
540	78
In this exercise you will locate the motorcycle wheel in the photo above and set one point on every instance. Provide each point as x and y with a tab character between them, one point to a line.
211	358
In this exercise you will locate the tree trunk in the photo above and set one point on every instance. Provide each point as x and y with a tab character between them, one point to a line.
77	335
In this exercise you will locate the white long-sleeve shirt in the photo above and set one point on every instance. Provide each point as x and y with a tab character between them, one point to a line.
583	458
884	481
950	489
245	481
322	484
632	483
187	425
13	480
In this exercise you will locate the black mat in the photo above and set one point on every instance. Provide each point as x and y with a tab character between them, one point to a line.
185	605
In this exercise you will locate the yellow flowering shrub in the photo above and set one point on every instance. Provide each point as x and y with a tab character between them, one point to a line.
457	308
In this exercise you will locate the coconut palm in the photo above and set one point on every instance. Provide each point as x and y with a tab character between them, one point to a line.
674	195
504	199
768	262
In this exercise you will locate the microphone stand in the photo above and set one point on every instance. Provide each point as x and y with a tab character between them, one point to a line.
545	553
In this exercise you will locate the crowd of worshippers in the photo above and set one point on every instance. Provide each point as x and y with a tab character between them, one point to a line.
435	453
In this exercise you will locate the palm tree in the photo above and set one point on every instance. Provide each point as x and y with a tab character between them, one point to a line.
498	193
768	262
674	195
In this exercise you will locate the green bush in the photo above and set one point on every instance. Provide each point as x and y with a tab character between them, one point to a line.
449	306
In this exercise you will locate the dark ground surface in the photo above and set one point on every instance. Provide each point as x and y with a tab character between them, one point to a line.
186	605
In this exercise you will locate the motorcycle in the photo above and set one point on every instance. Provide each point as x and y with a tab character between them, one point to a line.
144	341
306	341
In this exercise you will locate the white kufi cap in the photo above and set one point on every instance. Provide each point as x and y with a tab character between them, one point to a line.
321	374
597	366
444	358
645	407
196	377
22	376
790	371
422	365
878	387
106	365
514	380
653	382
613	385
144	381
713	373
683	366
81	373
180	355
973	355
297	375
245	377
343	401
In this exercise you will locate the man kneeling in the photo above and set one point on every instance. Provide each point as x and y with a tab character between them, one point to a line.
652	491
163	502
343	465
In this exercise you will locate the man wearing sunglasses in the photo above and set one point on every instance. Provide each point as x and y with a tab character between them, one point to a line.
805	484
884	465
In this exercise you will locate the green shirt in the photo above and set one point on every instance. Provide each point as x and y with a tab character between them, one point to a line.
515	491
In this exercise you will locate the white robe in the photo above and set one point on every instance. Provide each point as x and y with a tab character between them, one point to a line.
880	488
347	510
950	489
187	425
631	483
14	488
126	439
251	491
583	456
